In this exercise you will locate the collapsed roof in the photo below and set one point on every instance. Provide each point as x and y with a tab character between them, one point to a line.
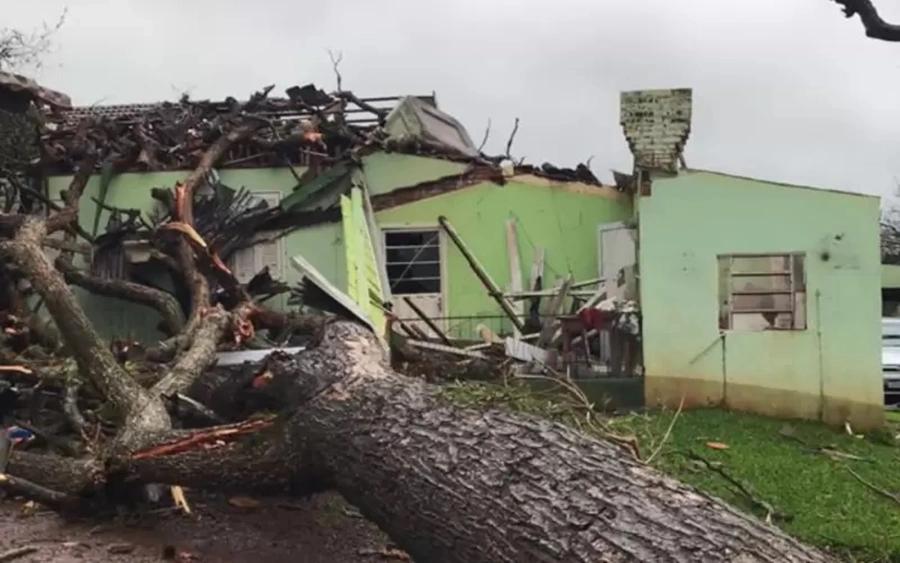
308	127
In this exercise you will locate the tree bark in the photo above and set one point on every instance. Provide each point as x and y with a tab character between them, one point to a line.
95	360
450	484
874	24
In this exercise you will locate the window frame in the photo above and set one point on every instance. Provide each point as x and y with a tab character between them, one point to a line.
387	231
797	291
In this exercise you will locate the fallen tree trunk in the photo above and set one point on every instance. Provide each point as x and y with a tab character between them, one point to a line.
450	484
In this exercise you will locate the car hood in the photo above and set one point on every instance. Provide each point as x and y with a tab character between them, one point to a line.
890	356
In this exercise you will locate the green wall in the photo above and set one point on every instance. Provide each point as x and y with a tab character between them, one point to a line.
563	221
561	217
890	276
388	171
832	369
115	318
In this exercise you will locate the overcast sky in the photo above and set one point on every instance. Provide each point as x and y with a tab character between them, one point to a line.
786	90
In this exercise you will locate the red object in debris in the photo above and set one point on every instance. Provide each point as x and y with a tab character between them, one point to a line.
595	318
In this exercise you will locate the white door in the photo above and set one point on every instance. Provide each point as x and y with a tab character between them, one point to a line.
413	259
617	248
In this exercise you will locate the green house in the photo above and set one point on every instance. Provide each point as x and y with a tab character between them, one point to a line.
754	295
713	248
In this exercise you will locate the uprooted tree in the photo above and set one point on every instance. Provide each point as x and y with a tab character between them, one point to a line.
448	484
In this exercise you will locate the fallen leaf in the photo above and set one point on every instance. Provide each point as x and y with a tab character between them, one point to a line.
244	502
717	445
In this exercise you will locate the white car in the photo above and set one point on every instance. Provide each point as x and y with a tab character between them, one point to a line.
890	360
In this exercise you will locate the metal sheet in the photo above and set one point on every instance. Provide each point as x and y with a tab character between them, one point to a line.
253	356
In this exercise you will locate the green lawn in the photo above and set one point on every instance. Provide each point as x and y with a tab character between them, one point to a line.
781	463
826	504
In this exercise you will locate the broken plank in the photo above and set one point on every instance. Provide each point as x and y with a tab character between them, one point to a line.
556	305
482	274
524	352
447	349
486	345
431	324
515	267
545	293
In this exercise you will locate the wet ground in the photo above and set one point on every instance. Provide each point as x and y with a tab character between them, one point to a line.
324	529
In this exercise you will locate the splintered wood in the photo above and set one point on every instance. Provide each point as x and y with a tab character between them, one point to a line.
205	439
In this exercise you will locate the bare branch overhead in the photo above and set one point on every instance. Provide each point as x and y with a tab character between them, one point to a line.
875	26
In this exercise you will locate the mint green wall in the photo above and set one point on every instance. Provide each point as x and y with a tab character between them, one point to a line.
323	246
564	222
115	318
389	171
890	276
686	222
561	217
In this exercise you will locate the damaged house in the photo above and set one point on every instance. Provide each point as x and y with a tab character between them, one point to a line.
699	287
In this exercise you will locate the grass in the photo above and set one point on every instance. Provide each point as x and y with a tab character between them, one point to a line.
825	504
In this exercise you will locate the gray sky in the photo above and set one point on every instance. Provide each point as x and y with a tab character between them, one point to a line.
785	90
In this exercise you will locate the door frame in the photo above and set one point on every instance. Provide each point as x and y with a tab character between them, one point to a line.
442	254
611	227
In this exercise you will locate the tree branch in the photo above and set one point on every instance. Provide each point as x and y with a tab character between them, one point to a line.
335	63
162	302
512	137
209	159
94	359
875	26
487	134
68	215
198	357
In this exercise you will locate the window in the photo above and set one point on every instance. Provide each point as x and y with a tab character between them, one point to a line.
247	262
762	292
413	261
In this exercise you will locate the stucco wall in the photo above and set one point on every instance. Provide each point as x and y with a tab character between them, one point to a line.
829	370
561	218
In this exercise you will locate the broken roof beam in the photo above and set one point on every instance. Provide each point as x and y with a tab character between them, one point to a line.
482	274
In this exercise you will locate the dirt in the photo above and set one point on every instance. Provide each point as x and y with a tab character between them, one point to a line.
324	529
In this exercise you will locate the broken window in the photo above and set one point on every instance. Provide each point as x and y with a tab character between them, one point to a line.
762	292
413	259
247	262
